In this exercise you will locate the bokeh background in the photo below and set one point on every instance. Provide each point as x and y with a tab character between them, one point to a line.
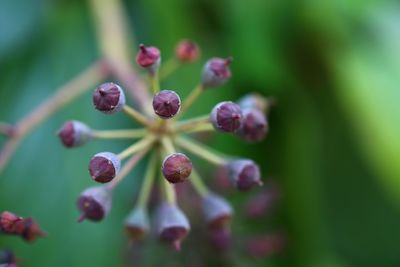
333	148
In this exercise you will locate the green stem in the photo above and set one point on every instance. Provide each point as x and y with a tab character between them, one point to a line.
136	115
168	145
136	147
201	151
190	99
169	190
200	128
192	123
170	66
155	83
148	180
119	134
198	183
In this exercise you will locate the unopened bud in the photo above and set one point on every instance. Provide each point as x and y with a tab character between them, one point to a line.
27	228
109	98
166	104
104	166
254	100
226	116
137	223
187	51
176	167
220	238
217	211
216	72
148	58
244	174
94	203
74	133
254	125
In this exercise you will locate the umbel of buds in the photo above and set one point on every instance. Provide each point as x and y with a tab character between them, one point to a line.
254	125
217	211
94	203
104	166
226	117
74	133
148	58
216	72
137	223
187	51
172	226
176	168
109	98
12	224
166	104
244	173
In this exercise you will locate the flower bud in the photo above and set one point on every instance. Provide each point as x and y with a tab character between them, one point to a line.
176	168
216	72
244	173
148	58
226	116
109	98
254	125
74	133
166	104
187	51
137	223
27	228
7	258
254	100
94	203
220	238
171	224
216	210
104	166
262	203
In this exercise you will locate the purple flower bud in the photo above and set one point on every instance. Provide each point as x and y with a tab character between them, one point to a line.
254	125
244	173
176	168
74	133
137	223
262	203
217	211
7	258
166	104
226	116
109	98
171	224
216	72
220	238
104	166
148	58
187	51
254	100
94	203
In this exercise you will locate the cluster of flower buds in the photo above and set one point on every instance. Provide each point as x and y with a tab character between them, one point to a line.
165	138
12	224
7	258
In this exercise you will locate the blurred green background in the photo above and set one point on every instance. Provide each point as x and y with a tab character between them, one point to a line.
334	143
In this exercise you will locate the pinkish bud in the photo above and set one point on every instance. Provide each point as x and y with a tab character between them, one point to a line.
254	125
74	133
7	258
187	51
27	228
148	58
220	238
176	168
217	211
244	174
137	223
94	203
104	166
254	100
172	226
109	98
226	116
216	72
262	203
166	104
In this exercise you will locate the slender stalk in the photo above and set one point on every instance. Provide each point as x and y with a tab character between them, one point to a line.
136	115
128	166
64	95
198	183
200	128
155	83
201	151
115	39
190	99
169	190
168	145
170	66
119	134
192	123
148	180
143	144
